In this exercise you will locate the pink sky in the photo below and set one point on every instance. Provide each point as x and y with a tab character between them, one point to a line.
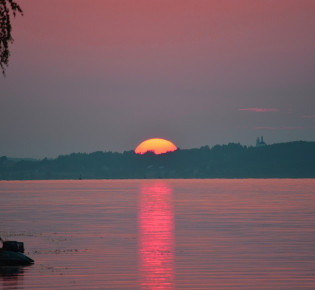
105	75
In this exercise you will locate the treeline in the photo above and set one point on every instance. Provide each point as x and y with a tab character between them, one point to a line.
285	160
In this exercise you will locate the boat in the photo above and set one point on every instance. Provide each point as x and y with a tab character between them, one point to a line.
12	254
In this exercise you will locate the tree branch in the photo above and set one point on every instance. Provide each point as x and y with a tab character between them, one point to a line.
7	7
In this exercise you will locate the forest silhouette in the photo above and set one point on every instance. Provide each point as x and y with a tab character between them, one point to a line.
283	160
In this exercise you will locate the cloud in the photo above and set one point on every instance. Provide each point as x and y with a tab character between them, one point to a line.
260	110
308	116
292	128
265	128
281	128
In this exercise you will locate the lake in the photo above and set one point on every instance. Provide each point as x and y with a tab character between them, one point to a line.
161	234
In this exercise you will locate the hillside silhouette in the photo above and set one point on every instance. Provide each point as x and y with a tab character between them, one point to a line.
283	160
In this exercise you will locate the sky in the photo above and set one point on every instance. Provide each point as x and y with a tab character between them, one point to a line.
104	75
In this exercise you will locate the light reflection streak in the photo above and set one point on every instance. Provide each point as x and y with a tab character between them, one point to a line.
156	226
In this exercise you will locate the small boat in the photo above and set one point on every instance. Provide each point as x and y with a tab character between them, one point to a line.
12	254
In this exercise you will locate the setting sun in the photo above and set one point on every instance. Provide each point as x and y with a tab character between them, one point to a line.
156	145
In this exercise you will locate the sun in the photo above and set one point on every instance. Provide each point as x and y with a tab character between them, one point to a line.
156	145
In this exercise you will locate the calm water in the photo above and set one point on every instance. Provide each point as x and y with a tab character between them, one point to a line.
161	234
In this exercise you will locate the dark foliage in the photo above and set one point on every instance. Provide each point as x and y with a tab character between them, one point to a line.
7	8
286	160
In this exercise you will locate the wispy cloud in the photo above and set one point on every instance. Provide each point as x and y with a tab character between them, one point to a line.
260	110
292	128
265	128
308	116
281	128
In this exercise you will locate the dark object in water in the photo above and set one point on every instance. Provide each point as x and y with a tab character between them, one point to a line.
11	254
13	246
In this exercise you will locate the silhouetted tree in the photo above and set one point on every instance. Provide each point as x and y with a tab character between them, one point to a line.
286	160
7	7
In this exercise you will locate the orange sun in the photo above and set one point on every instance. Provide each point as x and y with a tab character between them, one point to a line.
156	145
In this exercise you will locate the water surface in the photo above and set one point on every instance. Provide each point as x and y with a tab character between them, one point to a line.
161	234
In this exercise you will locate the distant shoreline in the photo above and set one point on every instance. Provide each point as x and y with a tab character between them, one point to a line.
129	179
232	161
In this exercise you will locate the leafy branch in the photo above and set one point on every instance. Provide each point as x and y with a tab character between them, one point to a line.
7	8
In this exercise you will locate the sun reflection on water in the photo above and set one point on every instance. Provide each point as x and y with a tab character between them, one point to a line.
156	229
